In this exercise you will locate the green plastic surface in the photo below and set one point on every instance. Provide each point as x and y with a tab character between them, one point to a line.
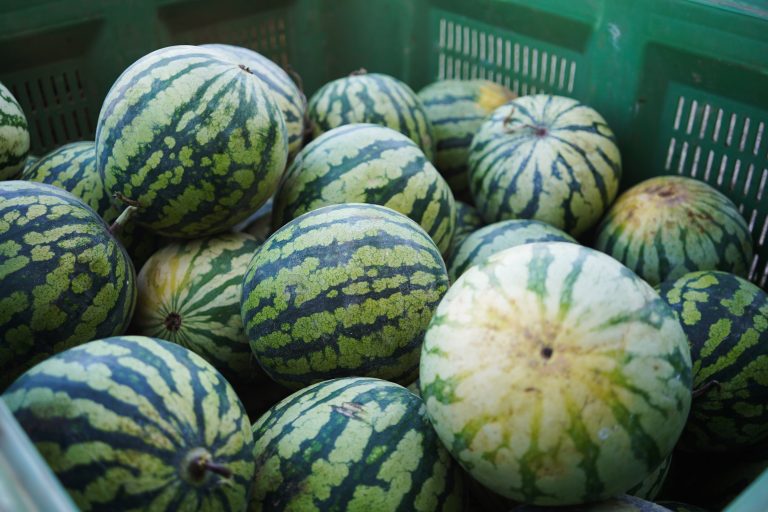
683	83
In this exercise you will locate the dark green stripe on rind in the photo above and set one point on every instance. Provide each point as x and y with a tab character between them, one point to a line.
372	98
352	444
288	96
115	419
547	158
485	242
364	163
668	226
64	280
197	141
726	321
14	136
343	290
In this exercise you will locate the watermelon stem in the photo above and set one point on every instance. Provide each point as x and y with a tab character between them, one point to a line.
358	72
701	390
199	461
539	131
219	469
245	68
122	219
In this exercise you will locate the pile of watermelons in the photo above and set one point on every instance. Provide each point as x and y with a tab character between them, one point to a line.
373	300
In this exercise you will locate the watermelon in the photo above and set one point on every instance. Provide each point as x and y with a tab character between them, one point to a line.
64	280
498	236
616	504
14	135
457	110
467	221
135	423
287	94
547	158
72	167
676	506
668	226
652	484
189	293
195	142
555	375
352	444
343	290
29	162
372	98
725	319
365	163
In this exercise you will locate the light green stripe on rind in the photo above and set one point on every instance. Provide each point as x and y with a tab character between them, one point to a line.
196	141
457	109
668	226
287	94
365	163
467	221
343	290
355	444
569	379
189	293
64	279
116	418
14	135
547	158
372	98
487	241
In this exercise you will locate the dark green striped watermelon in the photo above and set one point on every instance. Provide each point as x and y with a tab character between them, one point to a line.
287	94
64	280
365	163
484	242
555	375
14	136
652	484
668	226
135	423
457	110
467	221
72	167
189	293
547	158
372	98
344	290
617	504
196	142
30	161
725	319
354	444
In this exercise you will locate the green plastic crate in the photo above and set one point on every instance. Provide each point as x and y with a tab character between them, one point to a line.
683	83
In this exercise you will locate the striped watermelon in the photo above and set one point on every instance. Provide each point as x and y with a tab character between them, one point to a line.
14	135
72	167
457	110
134	423
64	279
489	240
616	504
30	161
340	291
287	94
372	98
354	444
196	142
365	163
652	484
189	293
555	375
726	321
668	226
547	158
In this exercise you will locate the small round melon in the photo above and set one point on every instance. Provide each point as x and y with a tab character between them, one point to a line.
14	136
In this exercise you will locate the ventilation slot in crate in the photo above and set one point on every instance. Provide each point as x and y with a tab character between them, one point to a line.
725	146
471	50
56	106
